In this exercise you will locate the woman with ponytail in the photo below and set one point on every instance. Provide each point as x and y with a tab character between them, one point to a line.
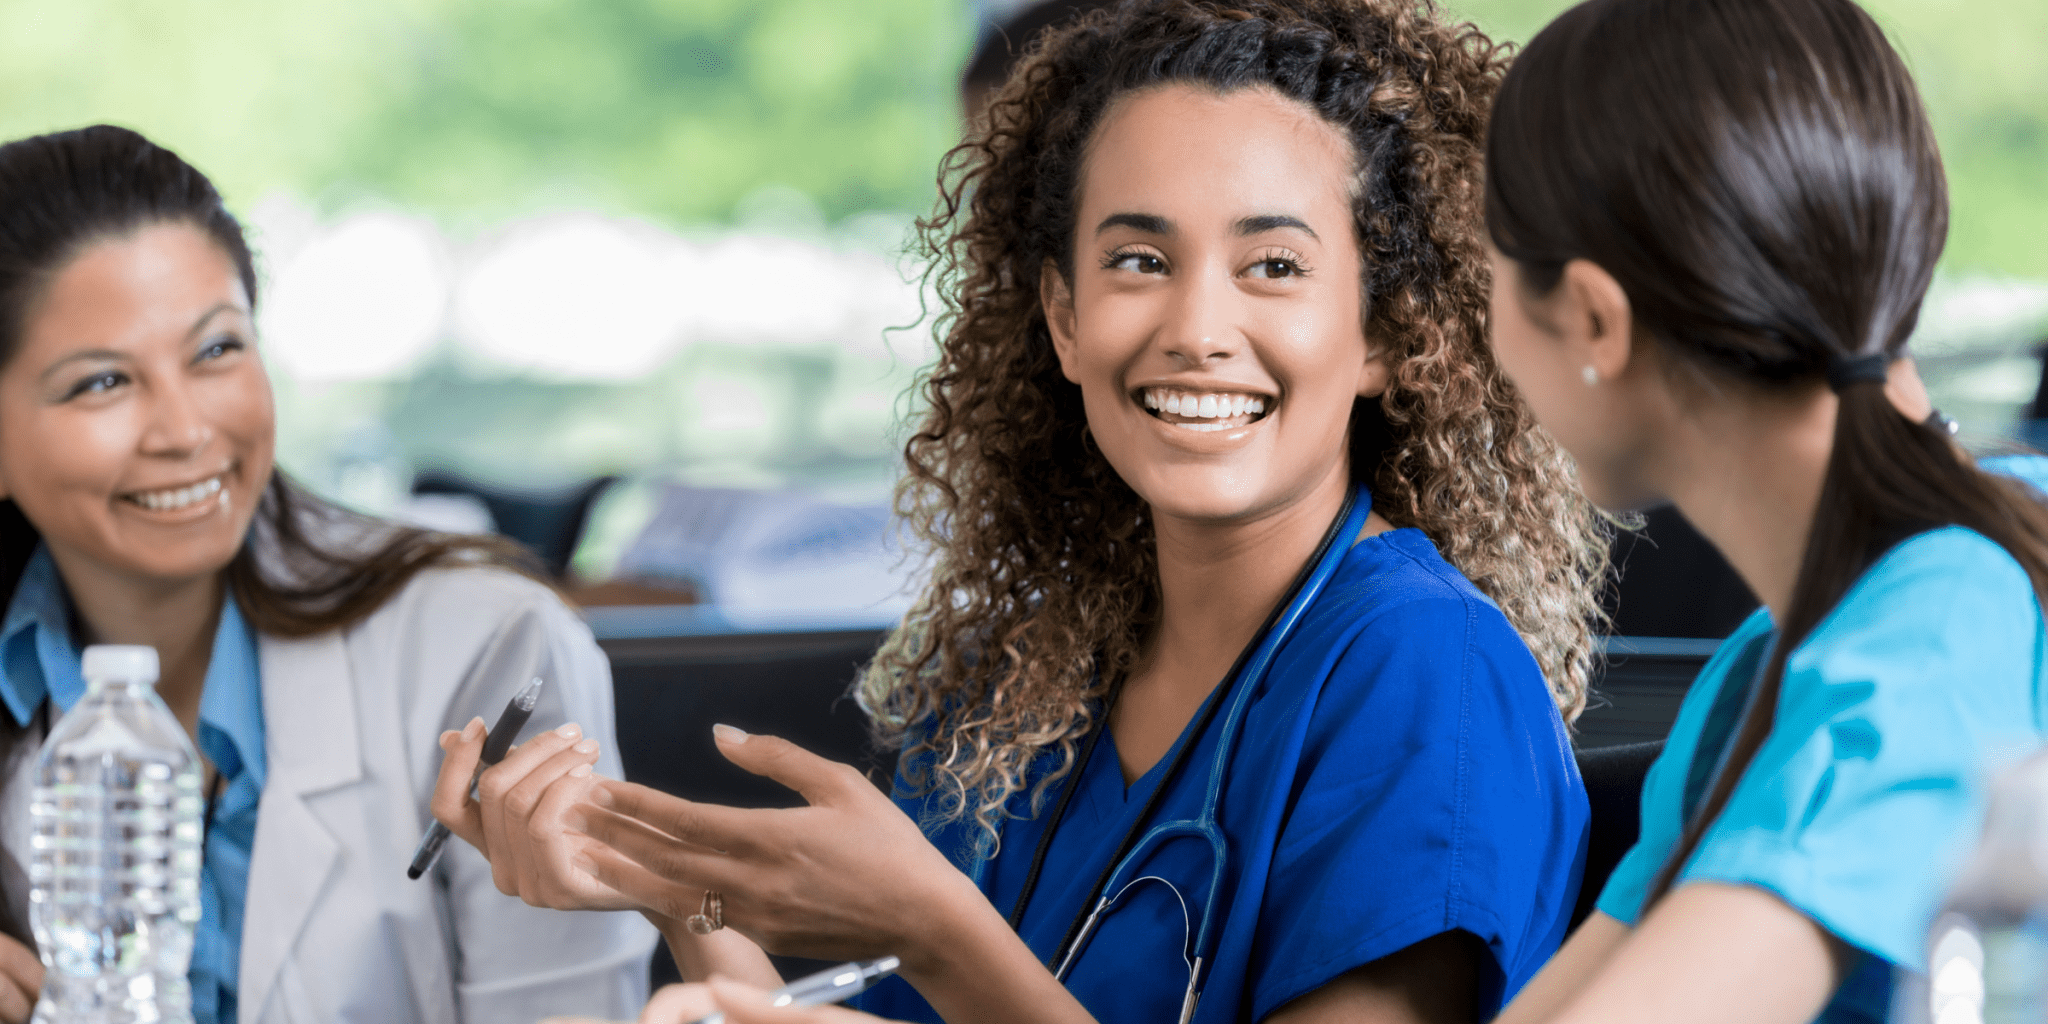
1714	222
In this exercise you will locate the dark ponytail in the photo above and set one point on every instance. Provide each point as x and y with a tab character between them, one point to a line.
308	566
1761	179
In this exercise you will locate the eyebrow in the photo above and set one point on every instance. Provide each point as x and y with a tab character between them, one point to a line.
1153	224
113	356
1150	223
89	355
1274	222
229	307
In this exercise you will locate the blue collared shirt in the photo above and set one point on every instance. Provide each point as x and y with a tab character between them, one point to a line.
39	659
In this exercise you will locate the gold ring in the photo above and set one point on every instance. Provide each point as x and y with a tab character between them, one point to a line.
710	915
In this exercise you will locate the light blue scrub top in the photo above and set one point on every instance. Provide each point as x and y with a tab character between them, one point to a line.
39	658
1402	773
1859	808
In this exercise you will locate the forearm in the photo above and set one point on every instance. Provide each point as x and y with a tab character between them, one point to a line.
973	968
1567	973
724	953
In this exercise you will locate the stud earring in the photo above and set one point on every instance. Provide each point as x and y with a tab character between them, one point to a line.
1590	375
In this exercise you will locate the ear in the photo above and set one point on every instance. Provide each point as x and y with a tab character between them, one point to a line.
1596	319
1372	372
1906	390
1057	299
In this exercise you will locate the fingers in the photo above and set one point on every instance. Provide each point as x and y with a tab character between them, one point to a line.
21	979
657	851
678	1004
16	1003
556	832
510	790
499	779
451	804
817	779
660	892
745	1005
711	826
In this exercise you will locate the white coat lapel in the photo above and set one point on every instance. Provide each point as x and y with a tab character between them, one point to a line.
311	742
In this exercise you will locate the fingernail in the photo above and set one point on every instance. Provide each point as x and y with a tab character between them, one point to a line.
569	730
581	770
585	747
473	730
729	734
447	737
601	797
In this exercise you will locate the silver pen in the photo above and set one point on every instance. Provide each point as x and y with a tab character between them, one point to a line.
828	986
496	745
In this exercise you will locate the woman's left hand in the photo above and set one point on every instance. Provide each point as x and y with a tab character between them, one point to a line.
848	877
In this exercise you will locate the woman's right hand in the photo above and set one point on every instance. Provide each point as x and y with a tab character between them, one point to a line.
21	980
517	819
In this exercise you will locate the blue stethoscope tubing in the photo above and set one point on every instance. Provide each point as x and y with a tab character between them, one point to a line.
1350	520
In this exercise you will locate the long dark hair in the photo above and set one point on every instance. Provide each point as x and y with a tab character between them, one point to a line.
307	566
1047	577
1760	178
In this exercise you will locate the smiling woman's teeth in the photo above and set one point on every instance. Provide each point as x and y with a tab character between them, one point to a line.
164	501
1203	406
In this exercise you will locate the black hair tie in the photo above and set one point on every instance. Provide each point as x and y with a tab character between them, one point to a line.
1846	370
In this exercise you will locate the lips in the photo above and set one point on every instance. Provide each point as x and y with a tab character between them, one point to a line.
1205	410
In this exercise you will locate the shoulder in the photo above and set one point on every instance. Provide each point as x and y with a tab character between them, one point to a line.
1951	588
2032	469
1394	583
448	617
469	597
1411	647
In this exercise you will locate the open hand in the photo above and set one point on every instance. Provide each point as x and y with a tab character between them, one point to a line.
517	819
21	980
848	877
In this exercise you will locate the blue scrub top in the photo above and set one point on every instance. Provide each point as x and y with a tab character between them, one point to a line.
1861	805
39	659
1402	773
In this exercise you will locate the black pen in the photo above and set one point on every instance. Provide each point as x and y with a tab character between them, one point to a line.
495	746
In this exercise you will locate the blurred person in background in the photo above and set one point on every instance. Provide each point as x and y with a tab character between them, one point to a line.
1716	222
1007	43
1216	272
312	654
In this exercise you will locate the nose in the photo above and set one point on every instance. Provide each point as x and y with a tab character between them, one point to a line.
178	426
1201	323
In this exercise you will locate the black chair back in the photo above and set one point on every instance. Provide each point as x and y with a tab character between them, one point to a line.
548	521
1614	788
670	690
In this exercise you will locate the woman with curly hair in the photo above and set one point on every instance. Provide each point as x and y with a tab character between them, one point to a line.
1216	288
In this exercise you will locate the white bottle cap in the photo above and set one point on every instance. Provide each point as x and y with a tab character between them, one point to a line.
125	662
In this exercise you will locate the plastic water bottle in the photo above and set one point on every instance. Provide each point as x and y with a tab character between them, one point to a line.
1988	953
114	865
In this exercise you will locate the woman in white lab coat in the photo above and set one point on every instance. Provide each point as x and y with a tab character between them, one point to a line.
313	655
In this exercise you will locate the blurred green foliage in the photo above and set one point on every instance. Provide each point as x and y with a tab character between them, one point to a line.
478	109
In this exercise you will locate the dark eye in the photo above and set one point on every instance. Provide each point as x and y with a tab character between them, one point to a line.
98	383
1142	262
1276	268
219	347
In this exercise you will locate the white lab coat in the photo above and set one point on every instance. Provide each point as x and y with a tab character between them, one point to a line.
334	931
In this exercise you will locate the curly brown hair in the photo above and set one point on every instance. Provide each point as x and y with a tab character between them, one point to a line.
1045	578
